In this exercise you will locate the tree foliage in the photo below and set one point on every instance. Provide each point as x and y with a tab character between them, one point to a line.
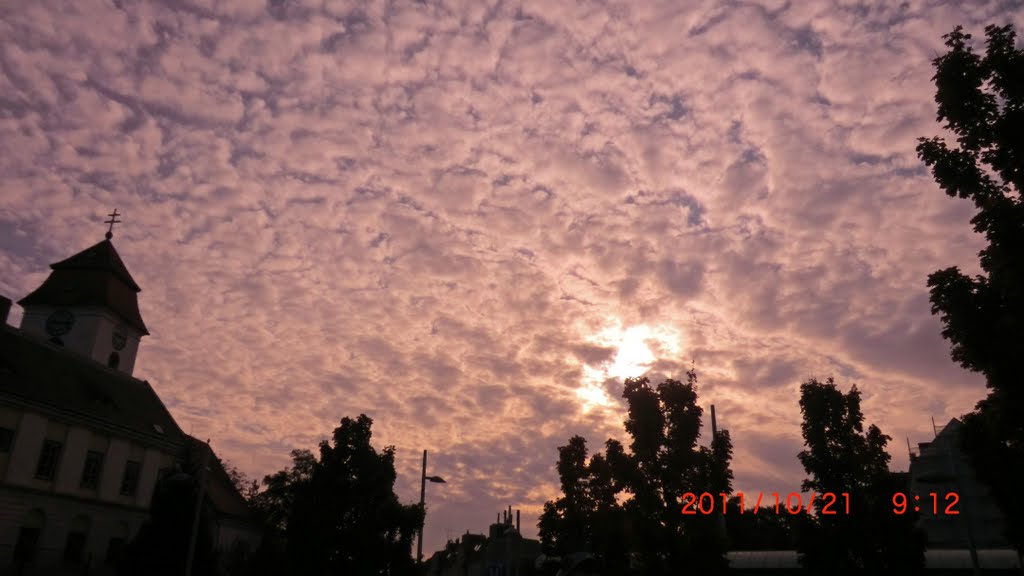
588	516
337	513
842	458
623	504
246	487
759	528
161	545
980	100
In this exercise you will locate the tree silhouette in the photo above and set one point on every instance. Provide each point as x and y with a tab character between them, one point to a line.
588	516
338	514
759	528
981	100
842	459
629	504
246	487
161	546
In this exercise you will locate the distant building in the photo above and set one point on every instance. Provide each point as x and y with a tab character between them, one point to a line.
503	552
82	441
940	467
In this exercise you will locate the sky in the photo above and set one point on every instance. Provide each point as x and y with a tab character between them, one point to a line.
472	220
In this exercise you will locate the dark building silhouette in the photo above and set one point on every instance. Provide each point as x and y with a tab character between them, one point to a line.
942	468
502	552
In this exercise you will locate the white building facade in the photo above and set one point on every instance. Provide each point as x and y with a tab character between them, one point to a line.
83	442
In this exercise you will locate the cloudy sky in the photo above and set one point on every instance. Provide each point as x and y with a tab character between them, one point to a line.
471	220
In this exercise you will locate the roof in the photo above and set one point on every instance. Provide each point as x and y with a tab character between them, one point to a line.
54	378
221	490
95	276
951	427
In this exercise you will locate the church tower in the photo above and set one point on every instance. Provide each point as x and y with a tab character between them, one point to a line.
89	304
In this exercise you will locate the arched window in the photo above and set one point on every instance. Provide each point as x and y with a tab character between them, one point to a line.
116	544
28	536
74	547
114	360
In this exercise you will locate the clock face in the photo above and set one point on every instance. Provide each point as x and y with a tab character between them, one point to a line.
59	323
119	338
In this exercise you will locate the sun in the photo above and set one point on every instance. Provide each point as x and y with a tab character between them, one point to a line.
632	358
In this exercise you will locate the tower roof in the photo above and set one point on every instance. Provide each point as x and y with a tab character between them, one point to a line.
100	256
95	276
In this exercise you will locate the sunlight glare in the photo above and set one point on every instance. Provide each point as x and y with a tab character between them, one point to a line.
633	357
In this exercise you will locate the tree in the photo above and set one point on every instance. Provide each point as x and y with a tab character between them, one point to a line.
588	516
346	519
665	464
161	546
631	504
981	100
842	459
759	528
338	514
275	502
563	524
249	489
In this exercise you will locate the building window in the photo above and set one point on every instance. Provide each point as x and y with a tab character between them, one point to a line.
49	457
114	548
91	471
28	537
130	480
6	439
114	360
74	547
25	549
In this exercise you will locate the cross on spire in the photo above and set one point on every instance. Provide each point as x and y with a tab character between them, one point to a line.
113	220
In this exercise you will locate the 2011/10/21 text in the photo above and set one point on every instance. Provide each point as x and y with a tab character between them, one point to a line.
793	504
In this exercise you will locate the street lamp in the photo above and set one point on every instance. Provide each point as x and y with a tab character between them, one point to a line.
423	493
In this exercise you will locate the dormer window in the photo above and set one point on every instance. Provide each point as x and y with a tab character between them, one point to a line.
114	360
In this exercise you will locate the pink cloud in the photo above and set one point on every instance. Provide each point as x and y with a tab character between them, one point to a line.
428	212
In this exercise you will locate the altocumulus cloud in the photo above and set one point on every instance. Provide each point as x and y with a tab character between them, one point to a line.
471	220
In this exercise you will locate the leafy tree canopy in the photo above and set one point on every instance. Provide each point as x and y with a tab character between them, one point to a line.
980	101
840	457
337	512
161	545
621	504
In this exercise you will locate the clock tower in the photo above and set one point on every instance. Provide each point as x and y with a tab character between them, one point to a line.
89	304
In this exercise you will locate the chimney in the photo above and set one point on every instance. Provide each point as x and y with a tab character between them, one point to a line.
509	517
714	423
517	520
5	309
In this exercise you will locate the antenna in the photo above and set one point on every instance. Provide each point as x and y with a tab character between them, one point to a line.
934	429
910	453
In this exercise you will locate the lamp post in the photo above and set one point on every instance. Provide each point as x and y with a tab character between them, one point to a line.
423	493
